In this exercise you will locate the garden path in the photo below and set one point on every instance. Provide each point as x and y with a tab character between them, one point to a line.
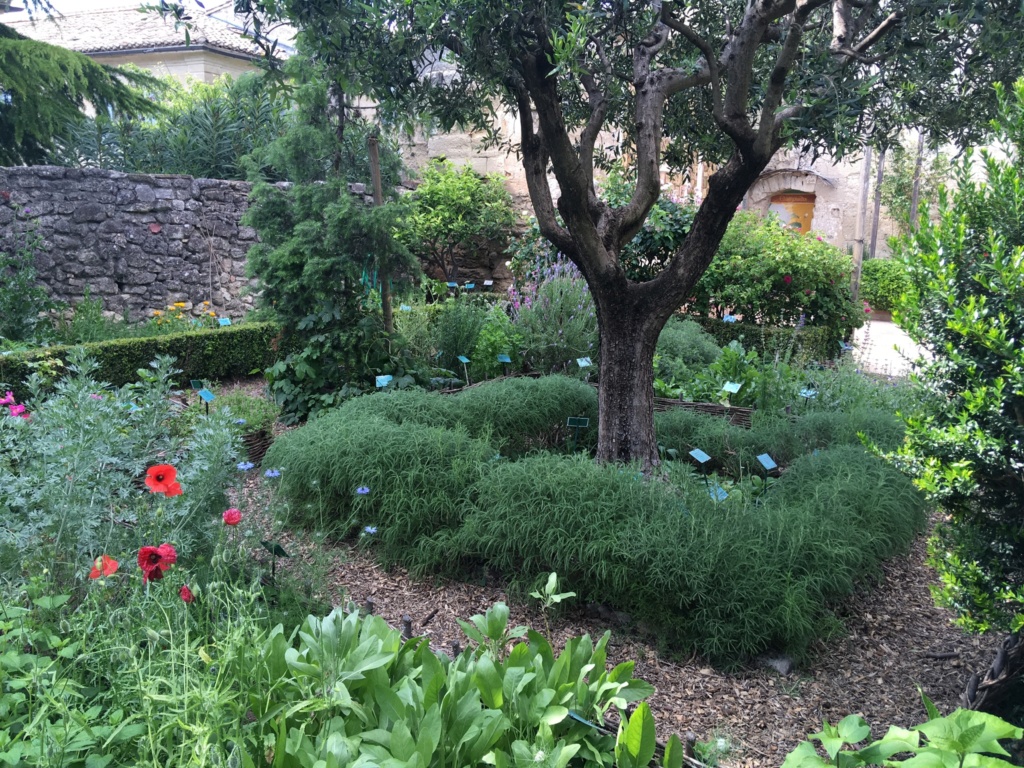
881	346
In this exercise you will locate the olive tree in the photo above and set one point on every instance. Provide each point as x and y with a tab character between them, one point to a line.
732	81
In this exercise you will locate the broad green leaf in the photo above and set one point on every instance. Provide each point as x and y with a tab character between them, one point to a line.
804	756
853	729
639	735
488	682
674	751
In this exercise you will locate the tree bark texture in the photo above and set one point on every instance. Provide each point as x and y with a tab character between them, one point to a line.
879	177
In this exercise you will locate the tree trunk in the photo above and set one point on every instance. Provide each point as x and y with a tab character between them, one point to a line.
915	194
378	200
862	208
629	333
878	203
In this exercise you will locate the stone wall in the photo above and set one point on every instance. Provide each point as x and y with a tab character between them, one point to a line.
139	242
142	242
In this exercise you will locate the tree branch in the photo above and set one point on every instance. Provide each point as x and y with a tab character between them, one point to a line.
535	163
879	32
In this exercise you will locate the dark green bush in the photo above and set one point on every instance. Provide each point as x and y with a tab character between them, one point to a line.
682	346
807	342
222	353
517	415
733	450
418	476
773	276
729	579
882	282
965	440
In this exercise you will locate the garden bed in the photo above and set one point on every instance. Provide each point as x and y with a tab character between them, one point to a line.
894	639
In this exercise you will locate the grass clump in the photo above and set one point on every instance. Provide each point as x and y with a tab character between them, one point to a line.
342	474
516	415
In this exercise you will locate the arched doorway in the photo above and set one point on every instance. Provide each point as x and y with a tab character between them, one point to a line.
795	209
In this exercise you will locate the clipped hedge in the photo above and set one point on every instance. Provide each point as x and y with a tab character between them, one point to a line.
883	282
818	343
218	353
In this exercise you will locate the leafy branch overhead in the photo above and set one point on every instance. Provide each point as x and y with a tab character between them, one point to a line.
45	89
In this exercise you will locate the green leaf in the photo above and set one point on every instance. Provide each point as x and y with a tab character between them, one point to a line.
488	682
674	752
639	737
853	728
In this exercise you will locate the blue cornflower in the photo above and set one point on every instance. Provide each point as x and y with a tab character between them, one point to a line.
245	466
239	422
272	473
362	490
370	530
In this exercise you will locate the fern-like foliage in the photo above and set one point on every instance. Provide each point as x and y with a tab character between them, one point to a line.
45	88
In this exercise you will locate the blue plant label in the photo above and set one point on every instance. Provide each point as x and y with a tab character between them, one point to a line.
845	347
196	384
488	283
717	492
206	395
767	462
463	359
583	362
225	321
808	393
732	387
504	359
405	308
383	381
469	286
729	319
452	285
700	456
581	422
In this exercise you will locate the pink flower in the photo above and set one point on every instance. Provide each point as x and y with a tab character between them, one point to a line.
186	593
19	410
787	279
232	516
7	399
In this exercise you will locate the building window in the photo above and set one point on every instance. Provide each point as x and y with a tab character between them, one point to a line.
794	209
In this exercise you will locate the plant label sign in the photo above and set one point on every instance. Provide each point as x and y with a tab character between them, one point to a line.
405	308
580	422
383	381
452	285
225	321
196	384
767	462
732	387
699	456
717	492
206	395
504	359
583	362
488	283
469	286
463	359
807	393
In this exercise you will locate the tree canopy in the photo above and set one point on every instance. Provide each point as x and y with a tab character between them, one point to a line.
44	89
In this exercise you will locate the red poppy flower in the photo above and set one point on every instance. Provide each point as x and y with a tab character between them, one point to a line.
103	566
787	279
186	593
160	478
153	561
232	516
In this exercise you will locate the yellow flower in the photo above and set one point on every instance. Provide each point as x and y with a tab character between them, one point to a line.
205	303
157	313
179	304
212	313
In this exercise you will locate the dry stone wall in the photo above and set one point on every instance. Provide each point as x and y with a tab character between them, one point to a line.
140	242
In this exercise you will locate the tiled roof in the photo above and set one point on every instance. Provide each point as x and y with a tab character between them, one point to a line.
124	28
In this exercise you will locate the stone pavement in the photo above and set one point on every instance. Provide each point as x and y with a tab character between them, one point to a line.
882	347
